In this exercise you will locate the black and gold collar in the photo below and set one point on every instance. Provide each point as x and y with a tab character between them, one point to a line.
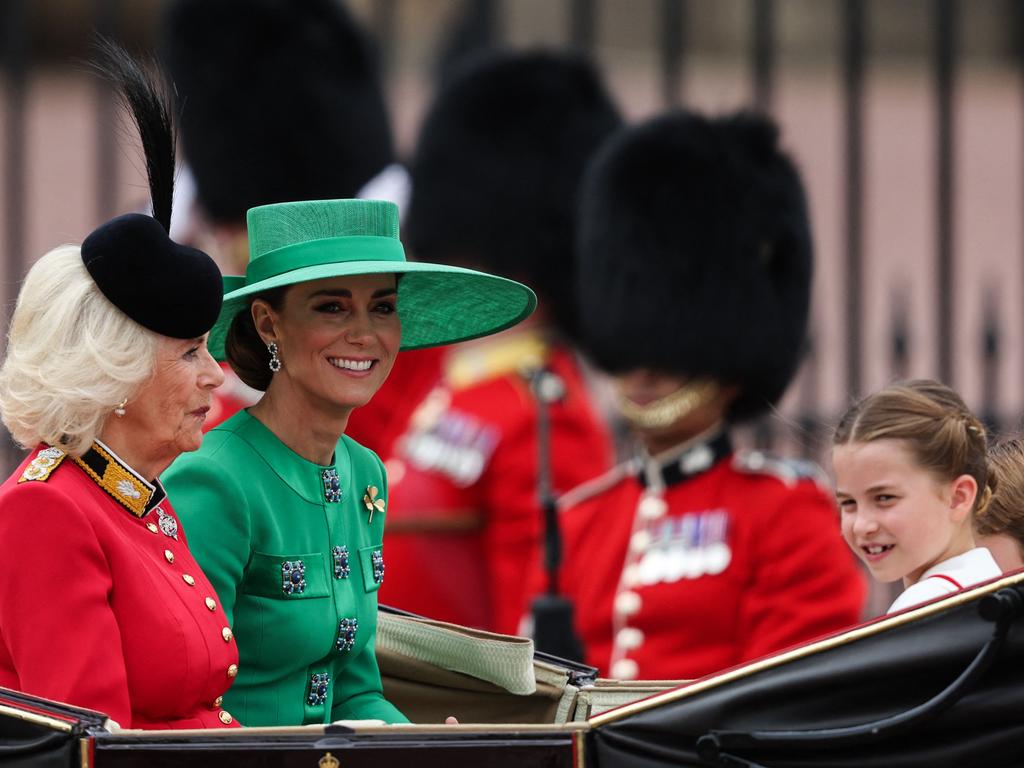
122	483
694	459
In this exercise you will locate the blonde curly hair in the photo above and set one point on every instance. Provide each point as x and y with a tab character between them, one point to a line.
72	356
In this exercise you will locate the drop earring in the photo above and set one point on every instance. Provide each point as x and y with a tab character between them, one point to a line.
119	408
275	361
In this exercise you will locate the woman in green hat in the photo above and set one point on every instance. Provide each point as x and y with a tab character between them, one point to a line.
284	512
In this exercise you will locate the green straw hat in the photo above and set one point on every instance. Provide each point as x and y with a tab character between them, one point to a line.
296	242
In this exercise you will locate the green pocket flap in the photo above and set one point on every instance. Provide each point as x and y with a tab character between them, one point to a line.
372	561
286	577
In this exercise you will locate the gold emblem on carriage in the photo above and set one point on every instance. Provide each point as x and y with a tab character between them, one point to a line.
329	761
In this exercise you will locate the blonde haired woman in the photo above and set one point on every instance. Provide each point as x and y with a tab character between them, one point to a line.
107	379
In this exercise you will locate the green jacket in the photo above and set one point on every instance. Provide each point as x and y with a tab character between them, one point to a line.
297	570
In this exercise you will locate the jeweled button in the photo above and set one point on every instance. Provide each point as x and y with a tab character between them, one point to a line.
188	579
169	555
211	604
232	670
225	717
227	634
218	701
152	527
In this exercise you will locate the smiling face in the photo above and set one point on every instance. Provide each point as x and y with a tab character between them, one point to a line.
165	417
897	516
337	339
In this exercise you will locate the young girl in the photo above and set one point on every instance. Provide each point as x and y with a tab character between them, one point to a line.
911	474
1000	528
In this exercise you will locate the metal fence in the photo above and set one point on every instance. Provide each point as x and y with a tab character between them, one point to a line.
808	410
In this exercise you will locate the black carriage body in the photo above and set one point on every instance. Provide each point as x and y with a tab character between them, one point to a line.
849	700
320	747
841	701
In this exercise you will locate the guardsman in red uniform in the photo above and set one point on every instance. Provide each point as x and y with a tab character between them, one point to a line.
495	180
695	268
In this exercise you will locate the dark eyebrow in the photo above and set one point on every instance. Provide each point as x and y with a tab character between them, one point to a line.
344	293
881	487
873	489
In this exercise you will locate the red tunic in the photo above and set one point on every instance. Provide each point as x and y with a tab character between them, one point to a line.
95	606
720	565
379	423
464	519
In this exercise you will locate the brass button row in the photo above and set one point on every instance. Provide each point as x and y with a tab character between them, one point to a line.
212	605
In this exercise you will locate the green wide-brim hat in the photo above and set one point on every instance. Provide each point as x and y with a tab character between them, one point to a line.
297	242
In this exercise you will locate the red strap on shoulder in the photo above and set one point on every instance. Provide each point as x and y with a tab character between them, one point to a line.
950	579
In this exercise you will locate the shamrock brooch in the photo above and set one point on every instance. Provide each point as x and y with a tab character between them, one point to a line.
371	502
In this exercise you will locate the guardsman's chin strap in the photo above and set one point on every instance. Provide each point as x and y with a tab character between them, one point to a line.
666	411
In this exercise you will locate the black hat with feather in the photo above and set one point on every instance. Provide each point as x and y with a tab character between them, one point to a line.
168	288
498	166
695	255
280	101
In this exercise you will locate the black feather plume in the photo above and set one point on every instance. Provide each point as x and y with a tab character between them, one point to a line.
149	104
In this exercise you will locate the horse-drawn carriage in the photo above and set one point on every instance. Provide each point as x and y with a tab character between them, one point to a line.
941	684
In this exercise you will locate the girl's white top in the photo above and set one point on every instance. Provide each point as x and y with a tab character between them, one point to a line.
945	578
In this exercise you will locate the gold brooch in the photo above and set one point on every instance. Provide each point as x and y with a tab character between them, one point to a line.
371	502
329	761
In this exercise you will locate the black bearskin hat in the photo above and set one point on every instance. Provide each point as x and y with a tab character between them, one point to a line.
496	174
280	101
695	255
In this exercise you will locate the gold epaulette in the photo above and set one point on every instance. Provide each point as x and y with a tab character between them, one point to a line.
43	465
476	362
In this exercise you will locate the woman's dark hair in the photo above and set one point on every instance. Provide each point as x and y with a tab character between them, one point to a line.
246	352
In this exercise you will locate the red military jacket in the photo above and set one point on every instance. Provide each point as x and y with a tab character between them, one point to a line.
464	519
704	560
381	422
101	603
